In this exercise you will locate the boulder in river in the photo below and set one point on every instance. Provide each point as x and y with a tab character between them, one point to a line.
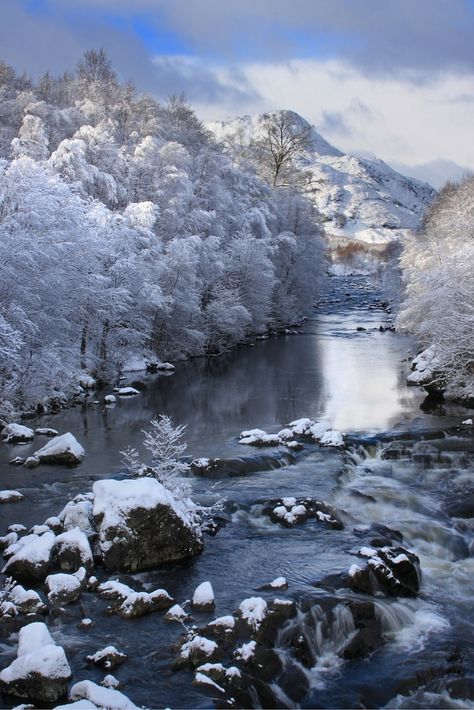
141	525
290	511
393	571
10	496
203	597
40	672
31	558
64	449
108	658
17	433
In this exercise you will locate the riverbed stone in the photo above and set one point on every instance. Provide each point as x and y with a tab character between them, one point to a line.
394	571
141	525
40	672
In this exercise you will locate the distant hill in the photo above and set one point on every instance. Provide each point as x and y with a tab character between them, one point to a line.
360	199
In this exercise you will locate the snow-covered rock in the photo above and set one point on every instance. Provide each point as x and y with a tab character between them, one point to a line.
110	399
139	603
332	438
301	427
110	681
31	558
290	511
253	610
78	513
246	651
16	600
65	588
259	437
127	392
164	366
141	525
104	698
32	462
223	622
394	571
176	613
468	422
27	600
46	431
10	496
108	658
72	550
198	649
425	367
203	597
64	449
41	671
131	604
16	433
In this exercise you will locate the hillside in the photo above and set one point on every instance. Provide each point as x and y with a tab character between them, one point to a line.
360	198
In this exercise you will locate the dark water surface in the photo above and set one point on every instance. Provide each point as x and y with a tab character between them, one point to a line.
354	380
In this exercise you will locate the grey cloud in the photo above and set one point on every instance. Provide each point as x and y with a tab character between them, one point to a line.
408	38
334	123
199	82
341	123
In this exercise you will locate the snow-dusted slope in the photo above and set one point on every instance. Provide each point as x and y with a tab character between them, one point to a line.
359	198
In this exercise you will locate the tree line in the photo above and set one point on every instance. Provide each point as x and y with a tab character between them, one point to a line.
126	228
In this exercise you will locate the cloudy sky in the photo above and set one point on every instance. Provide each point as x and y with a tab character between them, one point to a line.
392	78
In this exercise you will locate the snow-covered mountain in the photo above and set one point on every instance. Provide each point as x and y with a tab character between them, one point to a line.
359	198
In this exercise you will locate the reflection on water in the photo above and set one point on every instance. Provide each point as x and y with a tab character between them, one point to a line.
364	382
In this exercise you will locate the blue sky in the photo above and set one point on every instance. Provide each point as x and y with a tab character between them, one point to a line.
389	77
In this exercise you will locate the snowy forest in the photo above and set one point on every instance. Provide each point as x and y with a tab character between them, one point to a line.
126	230
438	272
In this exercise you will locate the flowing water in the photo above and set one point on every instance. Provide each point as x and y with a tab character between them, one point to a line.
354	380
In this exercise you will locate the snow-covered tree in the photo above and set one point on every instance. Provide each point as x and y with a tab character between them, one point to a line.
439	281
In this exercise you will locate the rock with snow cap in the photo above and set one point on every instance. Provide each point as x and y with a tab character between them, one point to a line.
78	514
196	650
65	588
108	658
11	496
393	571
40	672
141	525
46	431
131	604
203	597
72	550
17	433
31	558
100	697
290	511
64	449
177	613
127	391
32	462
259	437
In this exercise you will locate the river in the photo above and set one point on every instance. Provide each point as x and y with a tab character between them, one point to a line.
340	368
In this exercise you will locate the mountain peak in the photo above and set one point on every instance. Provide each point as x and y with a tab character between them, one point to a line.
360	199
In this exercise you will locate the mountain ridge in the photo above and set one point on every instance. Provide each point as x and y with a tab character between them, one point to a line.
361	199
